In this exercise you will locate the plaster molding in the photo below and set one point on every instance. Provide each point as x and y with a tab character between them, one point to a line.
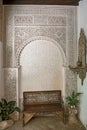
11	84
59	25
18	53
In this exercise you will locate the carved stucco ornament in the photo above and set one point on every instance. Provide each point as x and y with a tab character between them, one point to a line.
81	67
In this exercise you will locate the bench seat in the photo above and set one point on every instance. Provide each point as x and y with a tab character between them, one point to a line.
37	102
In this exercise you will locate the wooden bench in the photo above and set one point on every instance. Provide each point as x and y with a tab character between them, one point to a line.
37	102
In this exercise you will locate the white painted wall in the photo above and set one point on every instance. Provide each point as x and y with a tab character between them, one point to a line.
82	23
41	67
82	15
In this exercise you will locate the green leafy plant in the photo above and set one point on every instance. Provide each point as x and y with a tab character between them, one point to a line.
73	99
7	108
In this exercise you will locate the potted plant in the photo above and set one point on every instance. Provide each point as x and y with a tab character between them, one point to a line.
73	99
7	108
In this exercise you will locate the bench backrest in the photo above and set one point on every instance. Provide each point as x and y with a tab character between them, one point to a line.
41	97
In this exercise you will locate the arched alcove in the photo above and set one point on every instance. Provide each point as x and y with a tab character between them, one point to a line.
41	67
30	40
26	25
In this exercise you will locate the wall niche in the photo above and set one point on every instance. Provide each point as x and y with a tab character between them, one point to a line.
50	26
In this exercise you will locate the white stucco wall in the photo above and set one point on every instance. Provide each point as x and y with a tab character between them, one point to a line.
41	67
82	23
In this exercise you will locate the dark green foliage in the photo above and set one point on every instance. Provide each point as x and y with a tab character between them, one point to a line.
7	108
73	100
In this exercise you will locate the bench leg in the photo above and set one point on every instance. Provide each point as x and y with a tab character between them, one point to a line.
26	117
65	116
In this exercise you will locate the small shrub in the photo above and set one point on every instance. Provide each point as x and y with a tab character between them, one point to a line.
7	108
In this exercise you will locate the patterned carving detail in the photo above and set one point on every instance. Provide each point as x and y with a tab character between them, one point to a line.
9	42
22	46
45	97
10	83
58	14
70	52
54	20
81	63
71	81
40	19
72	40
23	34
42	10
23	20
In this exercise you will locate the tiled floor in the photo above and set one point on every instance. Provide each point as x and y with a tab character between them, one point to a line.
46	123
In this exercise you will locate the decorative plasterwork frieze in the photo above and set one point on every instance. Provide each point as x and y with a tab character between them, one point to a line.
70	81
35	20
28	41
10	83
24	35
26	22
